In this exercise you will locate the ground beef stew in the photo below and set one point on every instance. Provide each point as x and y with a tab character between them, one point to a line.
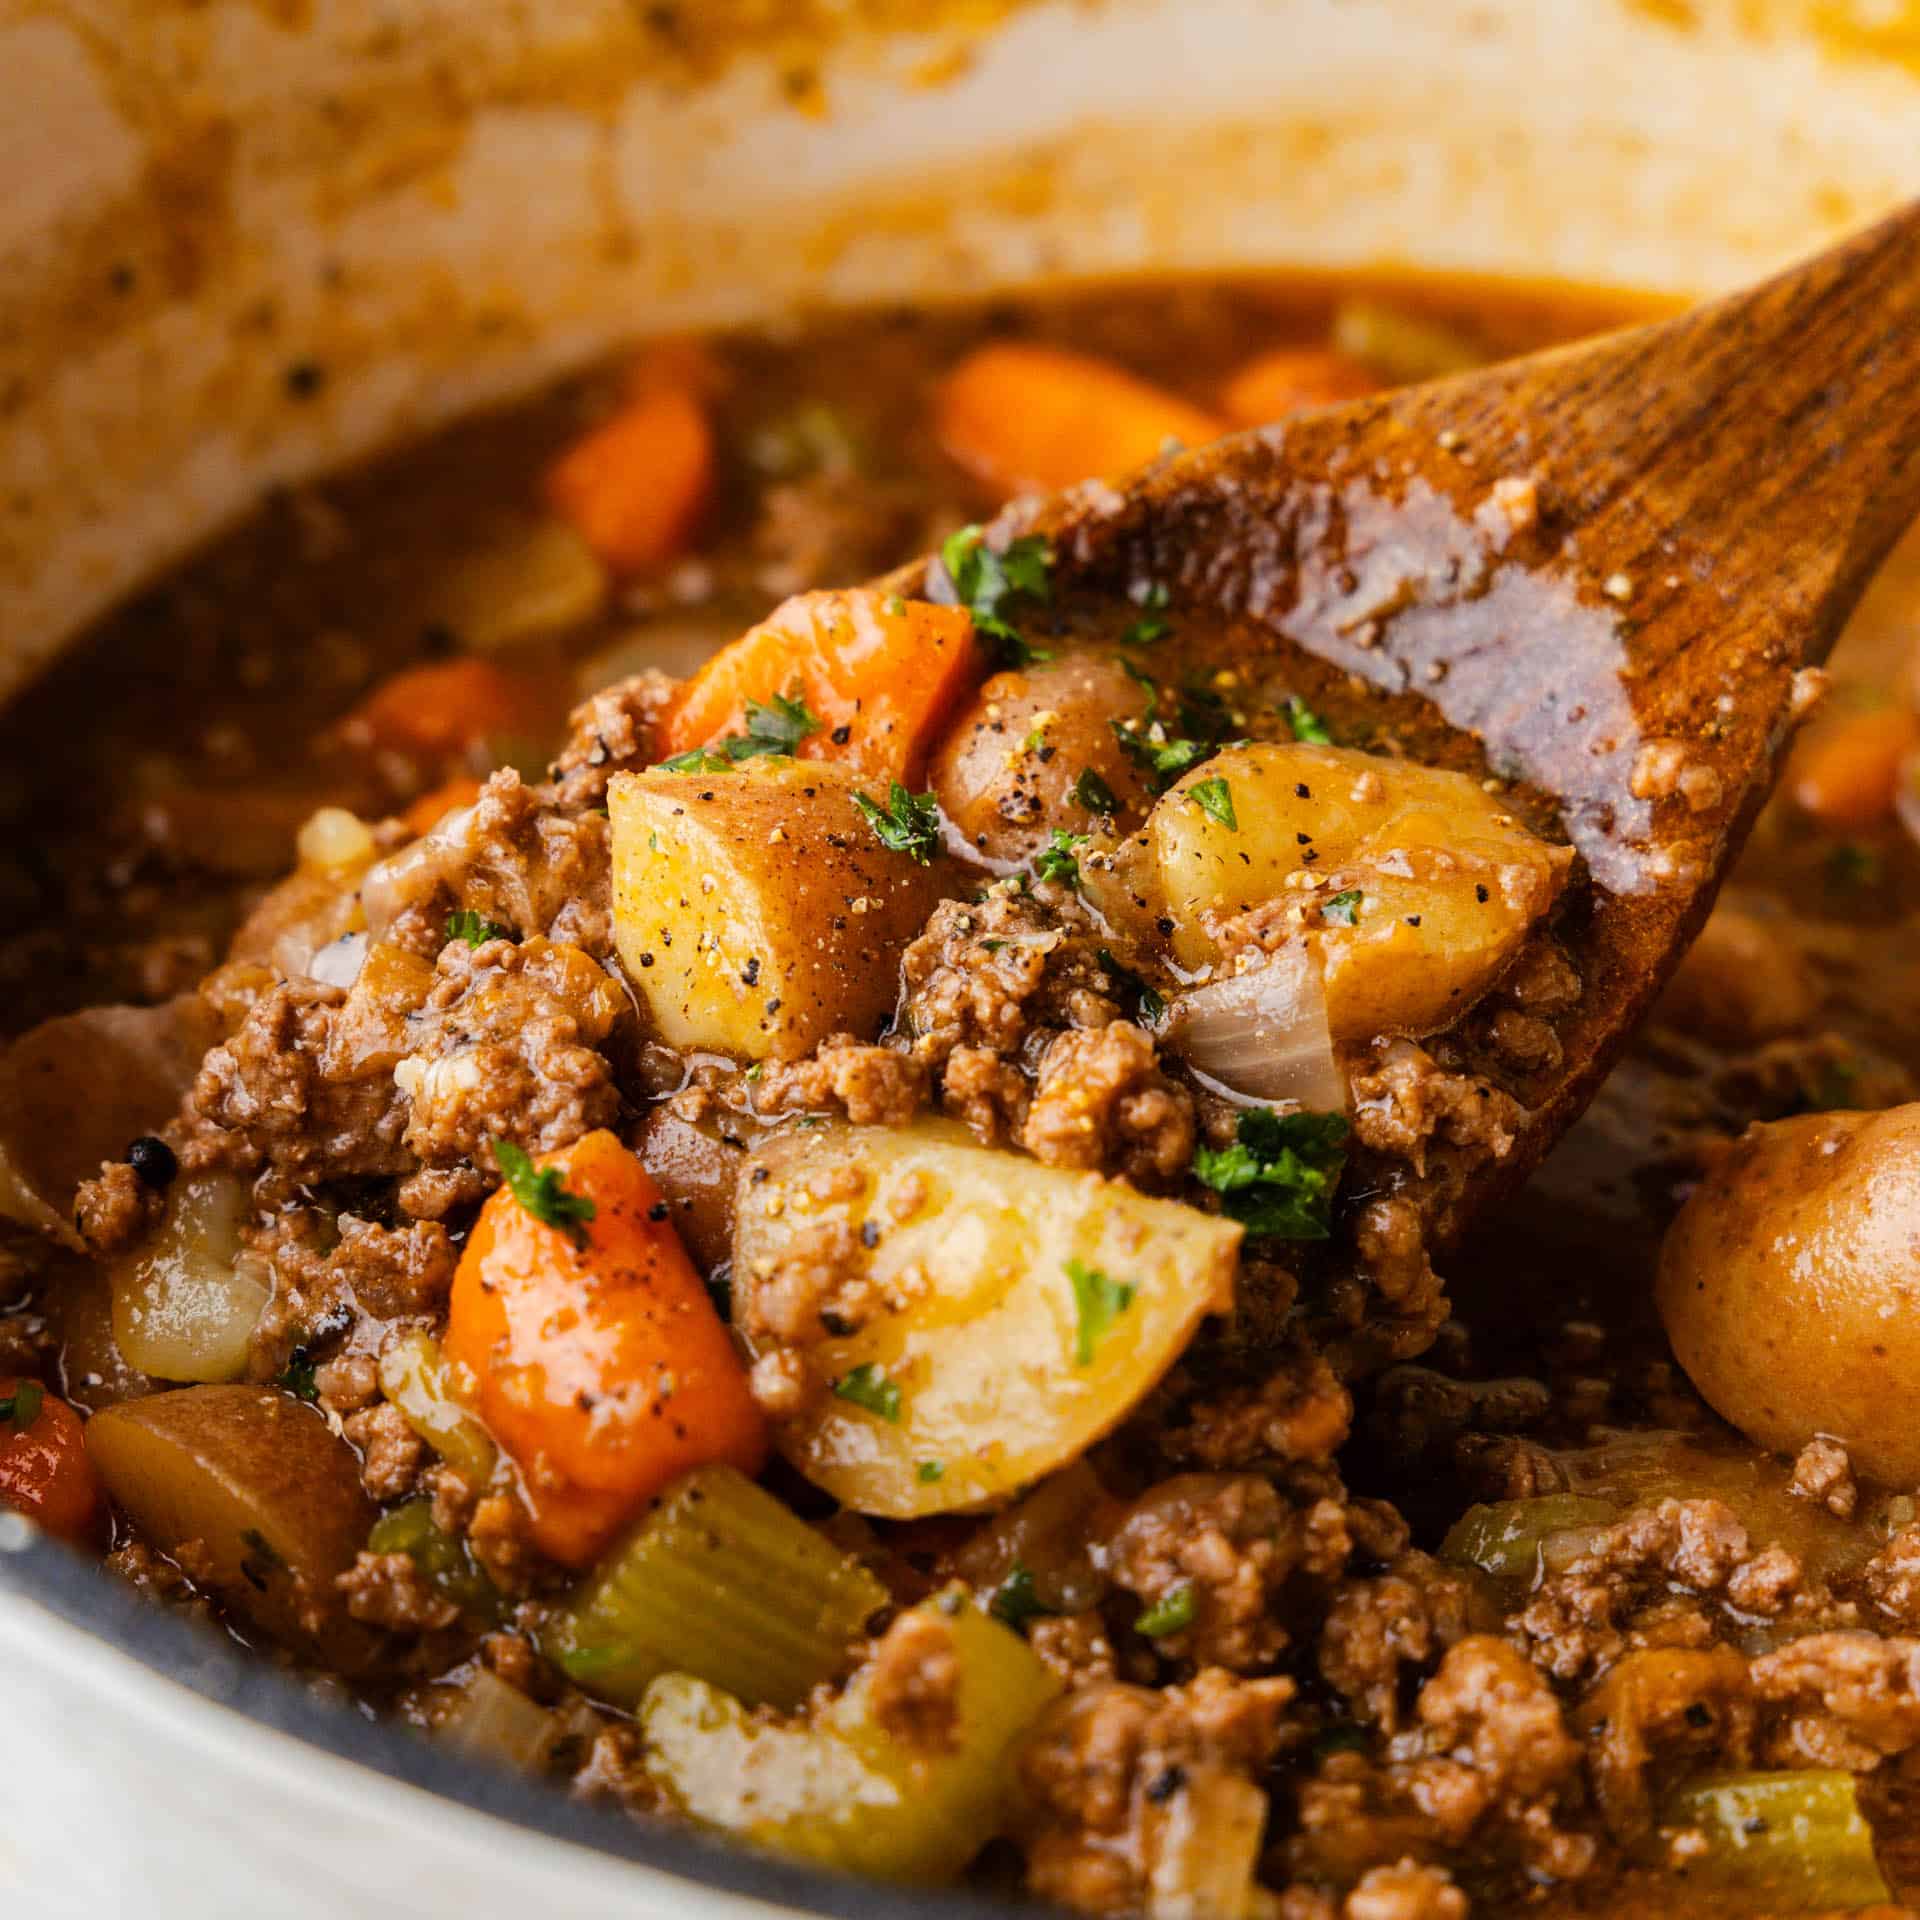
811	1205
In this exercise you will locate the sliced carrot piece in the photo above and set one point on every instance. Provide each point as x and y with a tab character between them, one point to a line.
44	1469
1023	418
430	809
1845	773
1272	385
442	707
599	1362
880	673
638	486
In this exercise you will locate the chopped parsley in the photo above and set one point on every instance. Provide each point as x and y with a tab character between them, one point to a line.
475	928
1173	1614
1093	793
1164	760
909	823
1215	799
1341	909
1306	724
930	1471
1059	860
297	1376
1015	1601
775	727
1151	1005
1151	597
1099	1300
1852	865
867	1386
22	1406
986	583
1279	1175
541	1191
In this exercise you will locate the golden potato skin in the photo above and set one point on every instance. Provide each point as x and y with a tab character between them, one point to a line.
754	908
1006	771
1790	1286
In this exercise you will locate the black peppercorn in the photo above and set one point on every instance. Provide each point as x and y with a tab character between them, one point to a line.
153	1162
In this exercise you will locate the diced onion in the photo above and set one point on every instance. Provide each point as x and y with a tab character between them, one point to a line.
494	1721
333	837
1263	1035
185	1306
1206	1847
338	963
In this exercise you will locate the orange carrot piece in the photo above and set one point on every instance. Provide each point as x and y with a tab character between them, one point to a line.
442	707
1023	418
599	1362
637	487
881	674
1845	773
1272	385
44	1469
430	809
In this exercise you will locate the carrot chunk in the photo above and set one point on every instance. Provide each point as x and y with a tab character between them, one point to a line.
638	486
1272	385
440	708
431	808
1845	774
1023	418
44	1469
598	1361
879	674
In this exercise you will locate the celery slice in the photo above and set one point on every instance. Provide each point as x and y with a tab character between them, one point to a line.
1516	1539
413	1375
723	1582
445	1561
835	1789
1793	1841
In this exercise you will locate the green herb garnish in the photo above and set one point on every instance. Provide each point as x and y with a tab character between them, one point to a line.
777	727
1852	865
1099	1300
1215	799
1174	1614
475	928
1151	1004
1059	860
1014	1600
541	1191
1093	793
298	1376
697	760
1163	760
988	582
1341	909
1151	597
867	1386
909	823
1306	724
1279	1175
930	1471
23	1405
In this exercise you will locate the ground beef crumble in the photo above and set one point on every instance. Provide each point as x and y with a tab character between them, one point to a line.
1102	1102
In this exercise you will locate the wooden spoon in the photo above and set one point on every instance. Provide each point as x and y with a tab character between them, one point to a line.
1608	565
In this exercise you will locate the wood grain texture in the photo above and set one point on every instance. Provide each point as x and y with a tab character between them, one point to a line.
1607	564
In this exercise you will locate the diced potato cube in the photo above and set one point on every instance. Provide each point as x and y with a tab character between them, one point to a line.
1016	1312
754	908
1414	885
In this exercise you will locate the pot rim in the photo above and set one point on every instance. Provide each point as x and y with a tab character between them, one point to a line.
85	1599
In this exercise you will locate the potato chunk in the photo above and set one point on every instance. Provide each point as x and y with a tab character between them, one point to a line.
755	910
995	1316
1414	886
1790	1286
1011	766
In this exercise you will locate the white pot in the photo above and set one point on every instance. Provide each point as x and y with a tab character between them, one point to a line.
441	202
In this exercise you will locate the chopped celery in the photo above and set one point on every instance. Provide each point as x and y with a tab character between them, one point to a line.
837	1789
445	1561
1399	346
1792	1841
413	1375
723	1582
1515	1539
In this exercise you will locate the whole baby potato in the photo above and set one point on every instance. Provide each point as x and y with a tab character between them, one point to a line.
1790	1286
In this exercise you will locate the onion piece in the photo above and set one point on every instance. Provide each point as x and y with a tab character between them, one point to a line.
1263	1035
1205	1847
338	963
494	1721
186	1304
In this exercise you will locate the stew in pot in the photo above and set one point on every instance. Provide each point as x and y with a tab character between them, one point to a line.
786	1200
